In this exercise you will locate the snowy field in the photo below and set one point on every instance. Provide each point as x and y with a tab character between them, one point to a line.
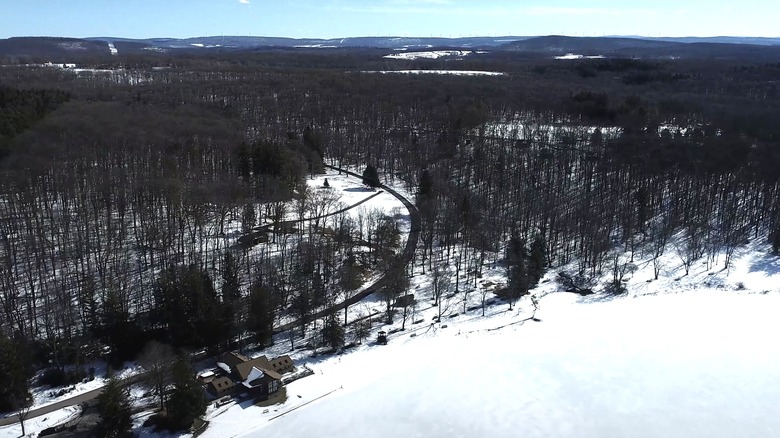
695	364
441	72
571	56
34	426
434	54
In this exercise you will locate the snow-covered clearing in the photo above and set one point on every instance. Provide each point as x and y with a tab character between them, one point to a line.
441	72
44	396
34	426
570	56
429	55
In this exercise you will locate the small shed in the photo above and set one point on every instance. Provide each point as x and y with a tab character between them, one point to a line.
404	301
381	337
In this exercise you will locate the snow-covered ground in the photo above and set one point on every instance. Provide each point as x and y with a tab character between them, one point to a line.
34	426
44	396
436	54
441	72
681	356
570	56
699	364
696	364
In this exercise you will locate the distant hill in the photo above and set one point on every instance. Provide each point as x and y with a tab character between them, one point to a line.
557	44
48	47
645	47
69	49
238	42
756	41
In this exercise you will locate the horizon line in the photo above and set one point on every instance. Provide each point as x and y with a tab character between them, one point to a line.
400	37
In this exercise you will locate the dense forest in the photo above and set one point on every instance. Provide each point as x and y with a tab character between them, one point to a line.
125	191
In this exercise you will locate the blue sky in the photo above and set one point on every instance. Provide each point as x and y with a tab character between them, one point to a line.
342	18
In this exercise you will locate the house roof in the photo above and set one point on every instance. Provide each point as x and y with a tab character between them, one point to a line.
281	363
256	377
273	374
241	366
232	359
221	383
244	368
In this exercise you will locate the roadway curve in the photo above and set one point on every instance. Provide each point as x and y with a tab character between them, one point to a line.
406	256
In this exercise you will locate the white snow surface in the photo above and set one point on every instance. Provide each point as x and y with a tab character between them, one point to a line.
683	365
681	356
441	72
44	396
34	426
429	55
570	56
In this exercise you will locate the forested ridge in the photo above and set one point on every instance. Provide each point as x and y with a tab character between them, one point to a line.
119	188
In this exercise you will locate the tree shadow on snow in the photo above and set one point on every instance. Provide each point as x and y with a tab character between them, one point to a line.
768	263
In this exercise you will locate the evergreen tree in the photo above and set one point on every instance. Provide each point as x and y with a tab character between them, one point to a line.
114	409
426	184
262	307
537	260
14	391
517	270
231	296
350	276
117	329
186	304
371	177
333	332
518	282
187	402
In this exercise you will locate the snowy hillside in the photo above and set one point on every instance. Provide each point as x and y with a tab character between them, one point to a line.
698	364
681	356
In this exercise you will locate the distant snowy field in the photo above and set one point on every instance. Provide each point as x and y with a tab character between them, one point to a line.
700	364
434	54
441	72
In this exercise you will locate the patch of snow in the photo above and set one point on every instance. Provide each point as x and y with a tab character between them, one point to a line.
570	56
34	426
429	55
440	72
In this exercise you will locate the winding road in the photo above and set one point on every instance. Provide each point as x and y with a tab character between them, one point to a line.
406	256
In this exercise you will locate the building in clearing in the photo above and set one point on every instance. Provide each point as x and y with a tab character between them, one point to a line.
237	374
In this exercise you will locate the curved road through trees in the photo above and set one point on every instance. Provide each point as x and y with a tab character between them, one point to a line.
406	256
